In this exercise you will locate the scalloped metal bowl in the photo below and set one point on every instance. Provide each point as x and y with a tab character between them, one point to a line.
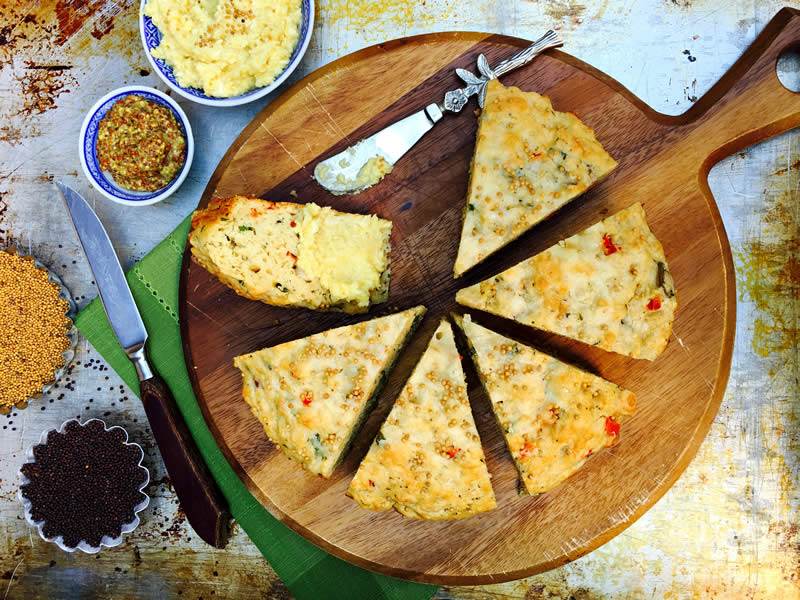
106	541
71	333
151	38
87	150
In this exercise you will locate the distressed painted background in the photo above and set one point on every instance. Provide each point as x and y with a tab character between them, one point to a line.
729	528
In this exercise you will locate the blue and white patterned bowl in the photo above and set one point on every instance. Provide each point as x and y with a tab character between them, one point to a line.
151	37
103	180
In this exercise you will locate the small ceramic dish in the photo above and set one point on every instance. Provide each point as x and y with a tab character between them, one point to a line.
151	38
83	545
71	333
102	180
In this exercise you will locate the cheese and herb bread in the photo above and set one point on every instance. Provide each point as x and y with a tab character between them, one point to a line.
427	460
312	394
553	415
296	255
608	286
529	161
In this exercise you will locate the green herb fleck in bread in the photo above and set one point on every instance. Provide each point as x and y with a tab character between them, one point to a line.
427	461
553	415
294	255
311	395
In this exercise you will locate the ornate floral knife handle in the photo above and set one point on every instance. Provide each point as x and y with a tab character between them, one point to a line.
455	100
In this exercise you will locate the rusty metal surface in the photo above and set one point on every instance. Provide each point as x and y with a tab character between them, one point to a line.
729	528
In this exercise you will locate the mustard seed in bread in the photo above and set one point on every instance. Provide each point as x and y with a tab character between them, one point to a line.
34	324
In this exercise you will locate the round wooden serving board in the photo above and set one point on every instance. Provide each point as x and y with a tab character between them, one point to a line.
663	163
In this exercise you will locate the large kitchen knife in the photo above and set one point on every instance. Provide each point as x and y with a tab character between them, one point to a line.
365	163
199	496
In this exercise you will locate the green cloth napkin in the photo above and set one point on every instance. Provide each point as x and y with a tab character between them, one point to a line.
308	571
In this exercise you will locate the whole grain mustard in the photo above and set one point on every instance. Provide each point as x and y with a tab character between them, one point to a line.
141	144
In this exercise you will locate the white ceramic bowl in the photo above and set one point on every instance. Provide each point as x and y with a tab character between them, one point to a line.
103	181
106	540
151	37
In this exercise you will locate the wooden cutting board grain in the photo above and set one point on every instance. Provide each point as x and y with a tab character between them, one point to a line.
663	163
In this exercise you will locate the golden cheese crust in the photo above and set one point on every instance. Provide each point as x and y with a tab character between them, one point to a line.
286	254
529	161
427	461
553	415
312	394
608	286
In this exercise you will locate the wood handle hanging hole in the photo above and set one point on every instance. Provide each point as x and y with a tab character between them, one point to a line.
788	68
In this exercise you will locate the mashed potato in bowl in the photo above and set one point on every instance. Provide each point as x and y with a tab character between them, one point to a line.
225	47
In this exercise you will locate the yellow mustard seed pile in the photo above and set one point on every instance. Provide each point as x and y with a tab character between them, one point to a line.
33	327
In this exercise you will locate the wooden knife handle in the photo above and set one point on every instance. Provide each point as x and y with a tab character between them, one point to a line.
198	494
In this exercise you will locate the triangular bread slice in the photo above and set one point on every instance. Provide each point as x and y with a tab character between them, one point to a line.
553	415
608	286
529	161
312	394
427	460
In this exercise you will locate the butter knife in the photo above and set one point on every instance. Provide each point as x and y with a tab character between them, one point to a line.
366	162
198	494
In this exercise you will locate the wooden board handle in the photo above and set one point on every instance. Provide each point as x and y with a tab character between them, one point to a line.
749	104
200	498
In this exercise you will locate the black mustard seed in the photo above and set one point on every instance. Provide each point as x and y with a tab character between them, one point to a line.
84	483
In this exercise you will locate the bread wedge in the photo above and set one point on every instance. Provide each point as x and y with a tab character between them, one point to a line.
427	461
311	395
608	286
294	255
553	415
529	161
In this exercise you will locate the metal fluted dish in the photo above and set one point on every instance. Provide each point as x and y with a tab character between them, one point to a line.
71	333
106	541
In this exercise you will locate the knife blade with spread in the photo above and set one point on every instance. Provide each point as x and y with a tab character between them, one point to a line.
365	163
199	496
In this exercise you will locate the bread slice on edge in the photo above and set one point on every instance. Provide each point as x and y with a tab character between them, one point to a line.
553	415
294	255
608	286
313	394
529	161
427	461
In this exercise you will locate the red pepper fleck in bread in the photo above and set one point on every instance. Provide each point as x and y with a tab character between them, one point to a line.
293	255
529	161
608	286
553	415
